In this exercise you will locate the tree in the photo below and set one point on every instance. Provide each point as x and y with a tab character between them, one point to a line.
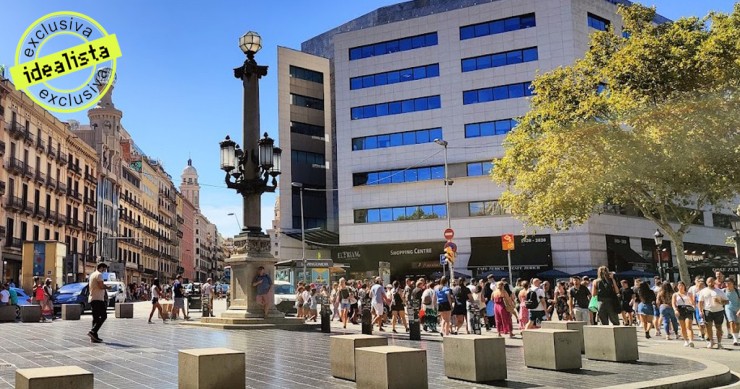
650	121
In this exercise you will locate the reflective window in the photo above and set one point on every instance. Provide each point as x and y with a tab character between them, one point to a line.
308	102
396	107
499	59
306	74
486	208
598	22
479	168
495	93
307	129
396	139
497	26
496	127
414	212
399	176
306	157
393	46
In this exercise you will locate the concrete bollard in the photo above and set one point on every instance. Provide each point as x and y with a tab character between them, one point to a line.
30	313
71	311
611	343
566	325
211	368
60	377
124	310
475	358
391	367
552	349
342	352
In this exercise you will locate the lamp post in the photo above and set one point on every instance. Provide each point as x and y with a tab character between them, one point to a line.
736	228
658	237
237	220
448	182
303	229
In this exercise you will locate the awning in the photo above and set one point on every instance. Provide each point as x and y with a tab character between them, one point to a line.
628	254
316	236
531	252
310	263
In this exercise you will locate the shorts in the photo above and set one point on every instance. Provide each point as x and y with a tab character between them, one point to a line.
646	309
155	300
731	314
178	303
684	314
379	309
656	311
444	307
459	310
714	317
262	299
536	317
344	306
627	308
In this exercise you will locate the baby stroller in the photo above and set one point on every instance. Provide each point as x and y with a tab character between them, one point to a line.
428	319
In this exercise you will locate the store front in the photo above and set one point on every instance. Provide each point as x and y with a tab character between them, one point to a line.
620	256
414	259
705	260
532	254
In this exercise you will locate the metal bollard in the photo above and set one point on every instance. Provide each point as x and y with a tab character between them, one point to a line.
414	325
325	316
367	317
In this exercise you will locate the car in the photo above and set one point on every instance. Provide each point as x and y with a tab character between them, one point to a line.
192	293
116	292
23	299
75	293
285	297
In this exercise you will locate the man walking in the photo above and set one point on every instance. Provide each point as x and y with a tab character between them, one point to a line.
98	294
207	298
379	298
487	293
535	304
711	308
263	282
179	299
579	299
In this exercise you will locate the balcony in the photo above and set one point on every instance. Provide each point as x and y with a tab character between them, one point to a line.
14	243
59	219
51	152
90	178
28	137
61	187
2	232
63	158
16	130
51	183
89	201
2	148
74	195
2	188
74	223
28	172
16	166
40	145
74	169
40	212
15	203
29	207
92	229
40	177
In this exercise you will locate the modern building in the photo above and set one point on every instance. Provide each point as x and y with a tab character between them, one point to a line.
362	105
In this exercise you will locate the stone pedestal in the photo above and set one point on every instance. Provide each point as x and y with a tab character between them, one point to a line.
71	311
124	310
552	349
211	368
475	358
342	352
59	377
391	367
611	343
566	325
7	313
30	313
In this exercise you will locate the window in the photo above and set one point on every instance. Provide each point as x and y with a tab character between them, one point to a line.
391	214
395	76
308	102
479	168
396	139
307	129
486	208
499	59
722	221
305	74
396	107
393	46
307	157
497	26
598	22
502	92
399	176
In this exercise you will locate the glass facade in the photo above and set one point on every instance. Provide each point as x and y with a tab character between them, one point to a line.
496	127
308	102
399	176
498	26
486	208
501	92
307	157
396	139
394	77
598	22
391	214
393	46
306	74
479	168
396	107
307	129
499	59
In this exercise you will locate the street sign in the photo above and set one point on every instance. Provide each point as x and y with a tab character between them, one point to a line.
507	242
452	246
442	259
449	233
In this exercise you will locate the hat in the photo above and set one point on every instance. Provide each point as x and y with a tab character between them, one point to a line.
585	278
490	276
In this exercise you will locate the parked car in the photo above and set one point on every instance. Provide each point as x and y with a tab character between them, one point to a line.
192	293
284	297
23	299
75	293
116	293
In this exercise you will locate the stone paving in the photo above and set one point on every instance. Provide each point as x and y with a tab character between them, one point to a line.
140	355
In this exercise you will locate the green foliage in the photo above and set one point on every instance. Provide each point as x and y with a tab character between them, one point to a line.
664	135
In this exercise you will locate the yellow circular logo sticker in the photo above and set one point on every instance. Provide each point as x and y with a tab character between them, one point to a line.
65	61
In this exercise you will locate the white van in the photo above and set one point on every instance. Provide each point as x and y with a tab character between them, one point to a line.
116	292
284	297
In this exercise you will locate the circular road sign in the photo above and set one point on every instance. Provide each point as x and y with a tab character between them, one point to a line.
452	246
449	233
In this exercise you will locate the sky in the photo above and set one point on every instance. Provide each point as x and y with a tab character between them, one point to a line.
175	78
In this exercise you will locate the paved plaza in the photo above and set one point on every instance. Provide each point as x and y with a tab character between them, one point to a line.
140	355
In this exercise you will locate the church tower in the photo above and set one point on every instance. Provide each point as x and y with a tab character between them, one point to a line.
189	186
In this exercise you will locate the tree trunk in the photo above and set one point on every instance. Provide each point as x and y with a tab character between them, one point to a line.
683	268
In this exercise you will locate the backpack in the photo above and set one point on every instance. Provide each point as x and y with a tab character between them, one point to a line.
532	300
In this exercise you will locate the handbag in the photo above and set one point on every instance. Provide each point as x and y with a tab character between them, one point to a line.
594	304
687	309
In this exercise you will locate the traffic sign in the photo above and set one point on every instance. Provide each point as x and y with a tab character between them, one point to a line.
442	259
449	233
507	242
452	246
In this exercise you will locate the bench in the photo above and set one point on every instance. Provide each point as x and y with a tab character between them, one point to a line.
124	310
475	358
60	377
611	343
342	352
211	368
567	325
552	349
7	313
30	313
71	311
391	367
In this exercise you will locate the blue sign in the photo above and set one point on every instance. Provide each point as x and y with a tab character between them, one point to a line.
442	259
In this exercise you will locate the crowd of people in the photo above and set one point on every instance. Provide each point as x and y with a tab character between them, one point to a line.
671	309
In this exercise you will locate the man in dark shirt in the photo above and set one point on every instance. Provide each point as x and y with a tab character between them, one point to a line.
579	298
487	293
179	299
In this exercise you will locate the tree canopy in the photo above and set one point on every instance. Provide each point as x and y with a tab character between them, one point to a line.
650	120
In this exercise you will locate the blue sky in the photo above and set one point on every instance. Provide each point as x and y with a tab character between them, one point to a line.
175	82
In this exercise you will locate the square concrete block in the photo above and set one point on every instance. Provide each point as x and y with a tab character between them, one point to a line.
60	377
71	311
124	310
30	313
475	358
552	349
7	313
391	367
567	325
211	368
611	343
342	352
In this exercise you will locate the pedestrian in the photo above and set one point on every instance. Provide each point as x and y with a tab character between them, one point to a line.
605	289
179	299
461	295
207	293
732	308
656	312
515	294
664	300
407	291
711	306
398	309
98	295
502	298
444	305
263	283
536	304
343	293
647	298
4	295
312	304
299	301
561	302
579	298
378	301
684	308
156	306
627	298
523	311
357	293
47	306
549	299
636	304
334	299
487	293
429	305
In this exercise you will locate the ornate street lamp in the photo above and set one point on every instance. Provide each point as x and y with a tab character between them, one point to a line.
658	237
